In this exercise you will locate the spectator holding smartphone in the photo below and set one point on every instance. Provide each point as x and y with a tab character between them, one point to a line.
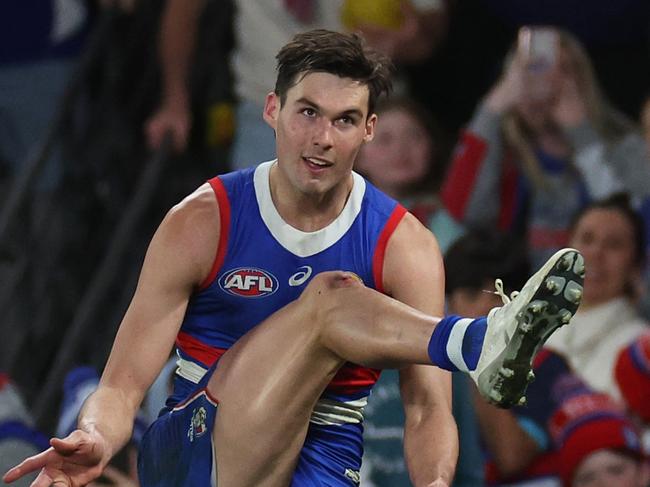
542	143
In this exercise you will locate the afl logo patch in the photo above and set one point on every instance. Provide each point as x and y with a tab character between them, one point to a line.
249	282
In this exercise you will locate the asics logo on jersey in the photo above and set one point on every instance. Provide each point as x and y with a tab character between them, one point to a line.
249	282
301	276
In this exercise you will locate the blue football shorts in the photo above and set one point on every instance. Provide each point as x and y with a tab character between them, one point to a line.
177	449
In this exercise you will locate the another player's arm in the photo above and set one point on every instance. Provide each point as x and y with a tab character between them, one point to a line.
512	449
179	257
176	41
414	274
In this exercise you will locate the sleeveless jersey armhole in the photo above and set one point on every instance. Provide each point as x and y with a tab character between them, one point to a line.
382	242
224	231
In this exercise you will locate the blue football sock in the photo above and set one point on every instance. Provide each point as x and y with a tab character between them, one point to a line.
456	343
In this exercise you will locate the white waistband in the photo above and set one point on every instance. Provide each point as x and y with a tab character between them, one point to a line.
326	411
190	370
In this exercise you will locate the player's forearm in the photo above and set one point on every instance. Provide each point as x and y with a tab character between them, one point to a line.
109	415
431	449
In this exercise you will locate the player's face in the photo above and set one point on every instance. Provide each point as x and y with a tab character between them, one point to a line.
607	468
320	128
606	239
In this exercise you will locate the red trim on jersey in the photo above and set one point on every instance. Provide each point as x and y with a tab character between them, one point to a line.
191	398
352	378
198	350
380	249
224	223
464	170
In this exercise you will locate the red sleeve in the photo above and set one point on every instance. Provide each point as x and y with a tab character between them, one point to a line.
380	249
224	222
463	171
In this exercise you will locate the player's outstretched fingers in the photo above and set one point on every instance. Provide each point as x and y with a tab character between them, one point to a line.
29	465
45	480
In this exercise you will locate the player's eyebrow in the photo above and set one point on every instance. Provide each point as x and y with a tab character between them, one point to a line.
350	111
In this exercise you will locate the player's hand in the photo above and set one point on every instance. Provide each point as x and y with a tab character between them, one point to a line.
70	462
173	118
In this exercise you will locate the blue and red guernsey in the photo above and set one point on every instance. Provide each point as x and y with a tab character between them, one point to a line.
262	264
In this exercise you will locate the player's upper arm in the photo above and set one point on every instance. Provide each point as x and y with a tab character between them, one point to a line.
413	269
414	274
179	258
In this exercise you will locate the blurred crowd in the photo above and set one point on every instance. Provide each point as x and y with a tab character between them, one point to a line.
516	128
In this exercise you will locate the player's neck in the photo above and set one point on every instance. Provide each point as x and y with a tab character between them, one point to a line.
308	212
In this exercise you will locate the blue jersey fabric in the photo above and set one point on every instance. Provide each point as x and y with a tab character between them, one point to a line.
265	264
261	265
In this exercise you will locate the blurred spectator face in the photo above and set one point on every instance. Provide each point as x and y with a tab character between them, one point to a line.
534	113
608	468
606	239
400	153
473	302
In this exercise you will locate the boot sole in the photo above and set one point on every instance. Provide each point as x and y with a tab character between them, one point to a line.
552	305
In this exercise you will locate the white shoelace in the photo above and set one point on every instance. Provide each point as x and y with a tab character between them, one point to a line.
498	285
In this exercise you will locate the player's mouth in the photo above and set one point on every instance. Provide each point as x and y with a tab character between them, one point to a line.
316	163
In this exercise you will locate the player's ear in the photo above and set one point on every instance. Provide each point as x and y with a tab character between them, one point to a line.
371	121
272	109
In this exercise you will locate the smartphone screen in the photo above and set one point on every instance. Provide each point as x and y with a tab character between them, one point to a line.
539	46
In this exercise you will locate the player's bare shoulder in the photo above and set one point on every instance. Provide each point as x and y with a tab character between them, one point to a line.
191	229
412	255
413	235
196	216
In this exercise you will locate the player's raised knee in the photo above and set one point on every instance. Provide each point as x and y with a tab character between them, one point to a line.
329	280
329	294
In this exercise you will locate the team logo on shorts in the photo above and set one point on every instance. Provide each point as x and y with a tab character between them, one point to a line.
197	426
353	475
249	282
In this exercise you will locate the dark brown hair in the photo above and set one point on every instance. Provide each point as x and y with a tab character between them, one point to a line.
344	55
